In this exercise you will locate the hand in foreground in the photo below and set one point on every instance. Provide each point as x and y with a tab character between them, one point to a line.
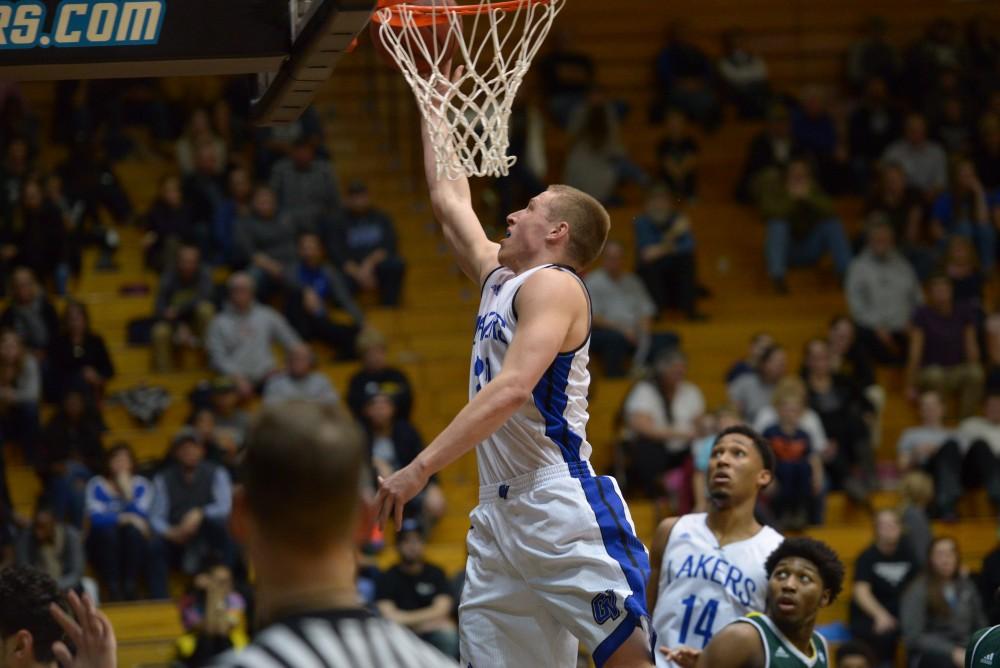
395	491
90	633
685	657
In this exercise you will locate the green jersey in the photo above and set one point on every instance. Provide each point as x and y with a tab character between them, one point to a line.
983	650
779	652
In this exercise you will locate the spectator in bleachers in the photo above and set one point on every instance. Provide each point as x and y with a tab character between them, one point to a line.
78	355
750	392
809	422
903	206
20	395
30	314
191	503
802	225
685	79
239	338
213	614
228	417
922	160
816	133
798	498
934	448
300	380
394	442
54	548
183	308
265	242
872	55
120	542
986	155
961	266
199	131
677	157
306	186
940	610
37	229
744	74
665	254
882	292
17	166
597	162
90	178
660	415
916	494
846	415
204	189
989	585
952	127
222	444
855	654
881	573
980	436
271	144
236	204
873	125
417	594
72	452
772	147
944	349
623	311
169	223
759	342
315	287
940	49
567	77
363	243
377	376
963	211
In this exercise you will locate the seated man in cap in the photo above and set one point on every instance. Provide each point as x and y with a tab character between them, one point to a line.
364	244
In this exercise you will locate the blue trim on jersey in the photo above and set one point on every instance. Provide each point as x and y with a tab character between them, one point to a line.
624	547
551	400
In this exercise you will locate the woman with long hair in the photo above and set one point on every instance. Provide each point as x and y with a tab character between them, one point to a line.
78	355
940	610
20	392
120	543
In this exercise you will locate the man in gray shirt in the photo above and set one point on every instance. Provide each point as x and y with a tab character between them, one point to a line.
623	315
300	381
239	339
306	186
265	241
924	161
882	292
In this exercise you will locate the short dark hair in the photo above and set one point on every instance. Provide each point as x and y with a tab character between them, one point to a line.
759	442
303	472
855	648
831	569
25	597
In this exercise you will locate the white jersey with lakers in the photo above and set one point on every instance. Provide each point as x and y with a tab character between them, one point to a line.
703	587
550	429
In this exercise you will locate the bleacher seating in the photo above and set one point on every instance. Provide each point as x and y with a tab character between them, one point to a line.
371	126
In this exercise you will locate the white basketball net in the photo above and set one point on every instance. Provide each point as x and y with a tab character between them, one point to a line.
468	118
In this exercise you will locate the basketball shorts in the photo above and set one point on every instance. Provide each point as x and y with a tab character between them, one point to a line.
553	562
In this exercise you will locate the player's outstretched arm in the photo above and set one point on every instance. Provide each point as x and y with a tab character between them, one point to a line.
736	646
451	200
656	550
548	305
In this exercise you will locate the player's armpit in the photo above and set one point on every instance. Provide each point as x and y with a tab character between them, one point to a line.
736	646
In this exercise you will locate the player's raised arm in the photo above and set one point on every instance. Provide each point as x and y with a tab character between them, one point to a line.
451	200
656	550
739	645
549	305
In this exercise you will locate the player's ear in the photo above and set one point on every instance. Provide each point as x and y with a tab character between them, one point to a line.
558	230
764	478
825	599
23	650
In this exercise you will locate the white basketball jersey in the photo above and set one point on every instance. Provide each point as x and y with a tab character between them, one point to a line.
704	587
548	429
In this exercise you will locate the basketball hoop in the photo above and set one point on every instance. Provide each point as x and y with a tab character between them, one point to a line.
494	43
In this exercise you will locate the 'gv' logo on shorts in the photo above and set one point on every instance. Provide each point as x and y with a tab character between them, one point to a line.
605	606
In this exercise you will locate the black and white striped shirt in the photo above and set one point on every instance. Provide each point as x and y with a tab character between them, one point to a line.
335	639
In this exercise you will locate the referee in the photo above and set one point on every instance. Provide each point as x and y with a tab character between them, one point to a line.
302	510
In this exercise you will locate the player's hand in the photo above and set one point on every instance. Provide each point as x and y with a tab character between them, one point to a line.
90	633
686	657
396	491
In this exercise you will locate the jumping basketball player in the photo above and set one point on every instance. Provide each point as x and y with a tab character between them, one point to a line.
708	569
804	575
553	556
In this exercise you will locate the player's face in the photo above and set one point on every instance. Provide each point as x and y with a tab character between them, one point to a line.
795	592
526	230
735	470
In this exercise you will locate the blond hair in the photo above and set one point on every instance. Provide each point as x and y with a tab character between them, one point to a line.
588	220
789	389
916	489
